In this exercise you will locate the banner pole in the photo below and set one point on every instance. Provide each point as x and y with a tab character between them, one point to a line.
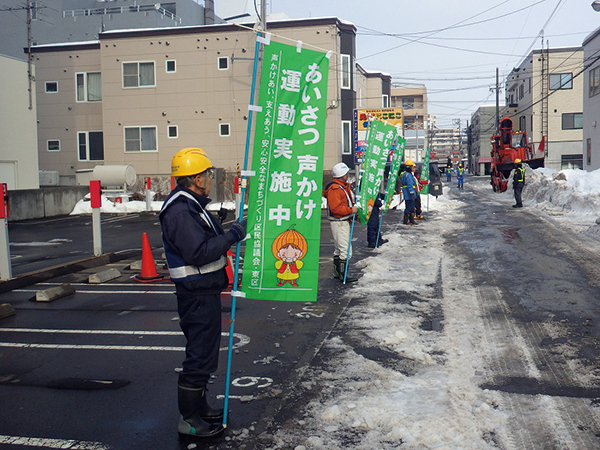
358	179
238	245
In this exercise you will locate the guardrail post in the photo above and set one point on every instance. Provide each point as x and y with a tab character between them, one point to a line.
96	203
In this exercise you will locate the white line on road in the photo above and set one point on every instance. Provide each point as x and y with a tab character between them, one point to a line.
104	292
52	443
242	340
46	330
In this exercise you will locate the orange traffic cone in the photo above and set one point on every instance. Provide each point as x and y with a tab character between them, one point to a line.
149	272
230	266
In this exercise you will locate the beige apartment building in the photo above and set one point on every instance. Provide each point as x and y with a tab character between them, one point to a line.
138	96
544	97
413	101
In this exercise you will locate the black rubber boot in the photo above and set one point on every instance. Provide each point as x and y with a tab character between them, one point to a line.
405	219
411	219
349	279
336	268
192	406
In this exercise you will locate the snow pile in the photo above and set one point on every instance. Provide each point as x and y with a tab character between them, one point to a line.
421	390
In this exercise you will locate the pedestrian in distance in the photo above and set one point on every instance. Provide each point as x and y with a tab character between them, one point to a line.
460	176
195	247
340	209
518	183
418	187
449	172
409	193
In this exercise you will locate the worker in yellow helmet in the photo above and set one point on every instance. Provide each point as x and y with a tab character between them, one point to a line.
409	192
196	247
518	183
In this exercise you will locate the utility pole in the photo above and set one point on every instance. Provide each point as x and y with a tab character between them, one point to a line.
263	14
30	8
497	102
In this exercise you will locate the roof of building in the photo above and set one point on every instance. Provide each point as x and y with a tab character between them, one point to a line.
591	36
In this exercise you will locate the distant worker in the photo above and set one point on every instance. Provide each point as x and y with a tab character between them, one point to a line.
409	193
518	183
340	209
449	173
460	176
196	247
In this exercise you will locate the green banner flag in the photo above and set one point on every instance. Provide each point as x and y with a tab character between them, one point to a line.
396	162
425	172
281	261
379	142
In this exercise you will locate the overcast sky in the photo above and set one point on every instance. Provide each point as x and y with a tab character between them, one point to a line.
456	45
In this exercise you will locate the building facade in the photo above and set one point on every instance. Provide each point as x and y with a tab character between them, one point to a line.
138	96
18	131
544	97
481	129
591	102
413	101
59	21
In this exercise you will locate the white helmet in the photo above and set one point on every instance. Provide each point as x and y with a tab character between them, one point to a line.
340	169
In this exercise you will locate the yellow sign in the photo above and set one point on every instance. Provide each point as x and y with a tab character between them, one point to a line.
393	116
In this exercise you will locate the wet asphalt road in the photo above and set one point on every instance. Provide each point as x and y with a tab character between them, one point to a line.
537	282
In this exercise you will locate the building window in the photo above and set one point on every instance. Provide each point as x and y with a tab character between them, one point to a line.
140	139
589	151
572	121
223	63
561	81
571	162
224	129
385	101
34	10
172	131
51	86
88	87
53	145
91	145
346	137
595	81
521	91
171	66
346	72
138	74
522	123
408	103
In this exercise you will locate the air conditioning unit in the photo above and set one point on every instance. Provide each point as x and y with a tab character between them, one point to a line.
49	177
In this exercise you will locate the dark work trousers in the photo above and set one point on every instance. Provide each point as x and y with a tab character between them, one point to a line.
409	206
373	226
200	321
518	191
418	209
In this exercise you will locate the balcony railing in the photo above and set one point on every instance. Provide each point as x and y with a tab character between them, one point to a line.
122	9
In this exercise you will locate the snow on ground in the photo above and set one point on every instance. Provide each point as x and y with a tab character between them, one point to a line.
435	401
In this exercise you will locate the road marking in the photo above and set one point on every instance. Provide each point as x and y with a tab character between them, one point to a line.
105	292
52	443
242	340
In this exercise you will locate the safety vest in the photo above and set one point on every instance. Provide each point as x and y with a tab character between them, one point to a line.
461	170
178	269
521	178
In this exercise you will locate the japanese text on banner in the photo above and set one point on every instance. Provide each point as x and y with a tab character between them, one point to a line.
284	212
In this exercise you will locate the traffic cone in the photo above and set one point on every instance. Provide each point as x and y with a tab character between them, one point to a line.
230	266
149	272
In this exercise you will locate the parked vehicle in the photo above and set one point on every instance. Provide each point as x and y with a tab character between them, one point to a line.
435	179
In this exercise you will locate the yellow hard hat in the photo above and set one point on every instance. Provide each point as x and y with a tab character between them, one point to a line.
409	162
189	161
517	161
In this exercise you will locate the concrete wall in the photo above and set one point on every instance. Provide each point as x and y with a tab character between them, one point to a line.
45	202
591	106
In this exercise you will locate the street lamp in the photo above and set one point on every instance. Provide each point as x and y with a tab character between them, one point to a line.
596	5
